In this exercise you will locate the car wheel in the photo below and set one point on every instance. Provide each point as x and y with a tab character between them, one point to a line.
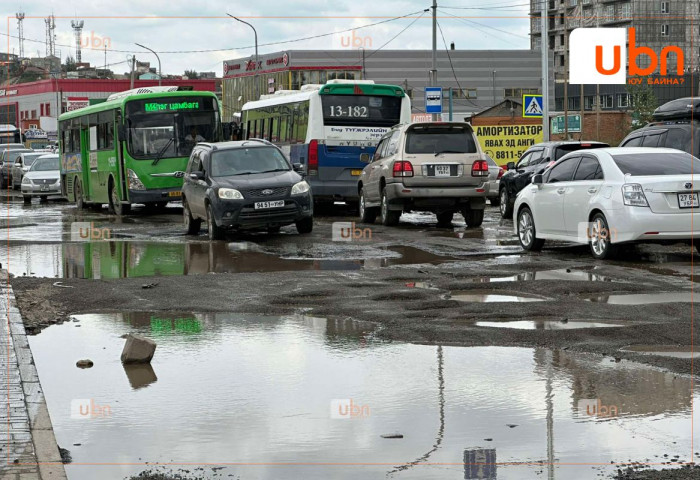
506	207
78	192
444	219
215	232
527	233
495	201
601	246
367	214
116	206
27	200
388	217
473	218
305	225
272	230
2	181
43	199
697	246
192	225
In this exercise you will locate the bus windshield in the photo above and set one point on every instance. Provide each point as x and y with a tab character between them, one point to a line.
361	110
170	126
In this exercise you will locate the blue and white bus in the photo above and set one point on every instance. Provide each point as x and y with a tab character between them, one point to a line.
328	128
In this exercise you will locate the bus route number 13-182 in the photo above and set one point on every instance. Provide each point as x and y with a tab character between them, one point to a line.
349	111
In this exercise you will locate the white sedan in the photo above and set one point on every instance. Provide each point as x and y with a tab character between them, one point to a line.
609	196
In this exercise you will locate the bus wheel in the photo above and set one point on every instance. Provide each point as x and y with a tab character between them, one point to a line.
116	206
78	193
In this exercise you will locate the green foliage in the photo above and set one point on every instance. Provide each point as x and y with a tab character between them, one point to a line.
643	102
191	74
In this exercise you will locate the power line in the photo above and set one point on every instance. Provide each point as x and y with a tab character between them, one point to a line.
484	25
454	74
394	37
489	7
212	50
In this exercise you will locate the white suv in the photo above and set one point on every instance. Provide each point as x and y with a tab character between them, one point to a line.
437	167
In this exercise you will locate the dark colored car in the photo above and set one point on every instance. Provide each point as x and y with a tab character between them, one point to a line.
675	125
534	161
244	185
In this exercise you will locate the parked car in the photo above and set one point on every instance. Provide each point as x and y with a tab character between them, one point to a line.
535	160
676	125
244	185
42	179
495	174
7	160
610	196
21	166
434	167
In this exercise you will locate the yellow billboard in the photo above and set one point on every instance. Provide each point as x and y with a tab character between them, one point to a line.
507	143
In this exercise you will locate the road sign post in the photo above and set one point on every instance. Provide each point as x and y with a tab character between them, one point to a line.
532	106
433	100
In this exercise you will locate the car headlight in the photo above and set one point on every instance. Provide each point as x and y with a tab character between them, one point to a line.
134	182
301	187
230	194
633	195
26	181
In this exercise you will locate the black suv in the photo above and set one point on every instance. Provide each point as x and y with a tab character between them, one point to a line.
534	161
675	125
244	185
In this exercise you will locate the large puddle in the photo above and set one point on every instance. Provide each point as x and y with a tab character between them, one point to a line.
486	297
563	274
644	298
302	397
671	351
546	324
121	259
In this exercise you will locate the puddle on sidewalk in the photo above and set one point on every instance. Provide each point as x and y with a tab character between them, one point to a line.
487	297
644	298
672	351
558	275
259	389
122	259
546	324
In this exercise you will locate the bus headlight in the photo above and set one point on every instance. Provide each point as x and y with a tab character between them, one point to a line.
230	194
134	182
301	187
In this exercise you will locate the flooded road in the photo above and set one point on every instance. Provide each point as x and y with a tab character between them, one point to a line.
269	391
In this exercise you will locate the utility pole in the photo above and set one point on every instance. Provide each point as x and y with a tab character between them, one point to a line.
255	75
493	86
160	72
566	74
433	70
133	68
545	74
20	32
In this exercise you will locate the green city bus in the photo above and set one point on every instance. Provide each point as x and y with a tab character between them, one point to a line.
134	147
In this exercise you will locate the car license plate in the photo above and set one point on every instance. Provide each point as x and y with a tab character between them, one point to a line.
274	204
44	188
442	170
174	194
355	173
688	200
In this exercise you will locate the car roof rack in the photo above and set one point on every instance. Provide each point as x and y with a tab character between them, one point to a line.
682	108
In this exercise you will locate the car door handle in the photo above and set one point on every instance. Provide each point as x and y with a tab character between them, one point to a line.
592	190
561	190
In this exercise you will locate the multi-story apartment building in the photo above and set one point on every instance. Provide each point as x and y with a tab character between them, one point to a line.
657	23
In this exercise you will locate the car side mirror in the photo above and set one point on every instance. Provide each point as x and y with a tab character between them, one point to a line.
537	179
299	168
510	166
365	158
197	176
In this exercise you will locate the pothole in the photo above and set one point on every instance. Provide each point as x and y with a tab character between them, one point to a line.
488	297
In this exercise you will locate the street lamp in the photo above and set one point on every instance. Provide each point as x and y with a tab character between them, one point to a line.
257	86
160	72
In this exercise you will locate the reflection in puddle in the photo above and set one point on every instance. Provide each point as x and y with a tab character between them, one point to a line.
546	324
562	274
482	297
643	298
258	389
673	351
122	259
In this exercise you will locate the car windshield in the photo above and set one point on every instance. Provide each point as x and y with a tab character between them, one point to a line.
45	164
13	154
242	161
639	164
29	159
440	139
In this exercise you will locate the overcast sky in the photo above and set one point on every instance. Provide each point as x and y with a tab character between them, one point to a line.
277	21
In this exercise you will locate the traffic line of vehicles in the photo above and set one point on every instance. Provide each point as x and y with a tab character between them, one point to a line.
353	141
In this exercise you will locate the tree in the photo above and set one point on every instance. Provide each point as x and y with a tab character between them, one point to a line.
191	74
70	65
643	102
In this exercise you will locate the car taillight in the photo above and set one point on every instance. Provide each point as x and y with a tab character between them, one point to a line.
313	158
500	173
480	168
402	169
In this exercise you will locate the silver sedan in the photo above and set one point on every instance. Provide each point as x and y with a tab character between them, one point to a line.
42	179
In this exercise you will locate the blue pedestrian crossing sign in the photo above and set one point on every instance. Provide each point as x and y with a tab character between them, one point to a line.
532	106
433	99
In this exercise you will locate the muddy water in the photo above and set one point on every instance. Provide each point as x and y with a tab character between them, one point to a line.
120	259
645	298
232	388
546	324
